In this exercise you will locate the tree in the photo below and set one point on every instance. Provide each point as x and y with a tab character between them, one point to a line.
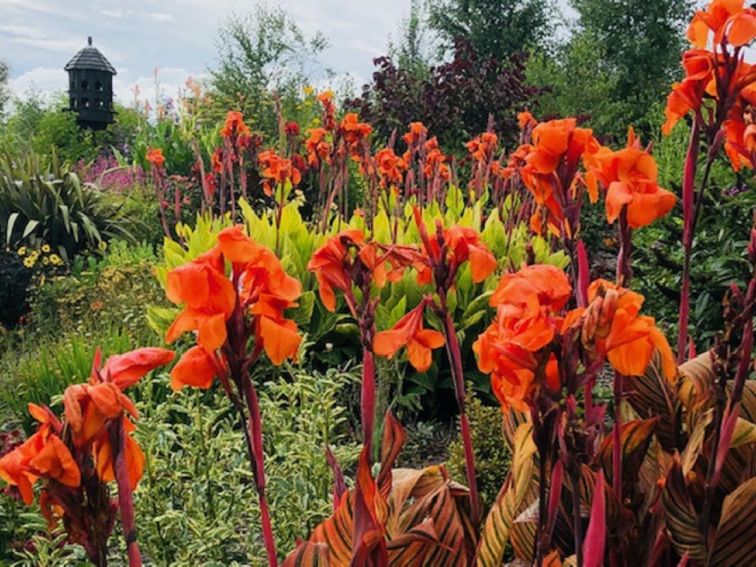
618	64
495	28
260	54
4	94
411	51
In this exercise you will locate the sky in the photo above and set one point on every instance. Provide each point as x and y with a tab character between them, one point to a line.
178	37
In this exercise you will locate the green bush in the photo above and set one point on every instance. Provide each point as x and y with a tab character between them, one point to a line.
51	206
14	281
109	292
492	456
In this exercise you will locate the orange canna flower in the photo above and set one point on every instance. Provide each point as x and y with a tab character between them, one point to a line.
42	455
390	167
409	332
482	147
266	292
729	21
542	285
630	176
508	350
277	171
234	127
611	326
208	297
329	110
513	348
740	125
155	157
330	263
318	150
354	133
196	368
549	168
417	131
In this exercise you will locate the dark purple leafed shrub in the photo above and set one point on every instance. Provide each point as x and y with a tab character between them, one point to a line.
454	101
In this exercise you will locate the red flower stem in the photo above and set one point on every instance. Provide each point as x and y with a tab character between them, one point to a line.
455	359
688	206
258	468
367	399
617	439
125	496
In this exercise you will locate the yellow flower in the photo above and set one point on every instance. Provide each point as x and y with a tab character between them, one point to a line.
46	248
22	251
45	260
308	90
55	260
102	246
29	262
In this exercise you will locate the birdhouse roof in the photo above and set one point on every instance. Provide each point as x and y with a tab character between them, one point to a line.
90	58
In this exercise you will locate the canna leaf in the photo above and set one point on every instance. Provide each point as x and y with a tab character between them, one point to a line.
680	516
734	543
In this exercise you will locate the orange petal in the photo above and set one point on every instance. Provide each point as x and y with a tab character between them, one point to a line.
617	196
743	28
212	332
419	356
126	369
280	340
236	246
196	368
482	263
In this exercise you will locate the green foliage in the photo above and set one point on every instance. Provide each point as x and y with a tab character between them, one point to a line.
495	28
411	49
51	206
260	54
492	454
107	292
197	502
40	372
617	65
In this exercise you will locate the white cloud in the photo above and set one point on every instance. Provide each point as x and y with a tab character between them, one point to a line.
159	18
116	13
41	80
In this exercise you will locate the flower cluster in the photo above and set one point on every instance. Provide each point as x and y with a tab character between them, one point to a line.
716	70
630	178
258	288
521	348
44	255
277	171
77	456
514	348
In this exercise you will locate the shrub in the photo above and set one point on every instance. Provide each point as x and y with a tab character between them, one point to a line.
492	455
455	100
109	292
197	499
52	206
14	281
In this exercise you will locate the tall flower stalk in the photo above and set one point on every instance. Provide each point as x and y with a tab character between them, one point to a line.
719	89
227	312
